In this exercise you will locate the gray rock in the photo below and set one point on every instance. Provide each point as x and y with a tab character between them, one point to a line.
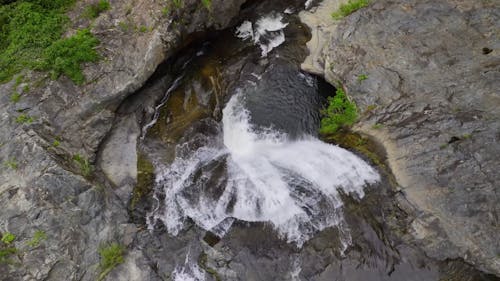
433	80
41	187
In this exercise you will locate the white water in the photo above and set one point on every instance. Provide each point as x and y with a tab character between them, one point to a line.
189	272
267	32
293	184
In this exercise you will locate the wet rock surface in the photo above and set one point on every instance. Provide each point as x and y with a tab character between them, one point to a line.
425	76
42	187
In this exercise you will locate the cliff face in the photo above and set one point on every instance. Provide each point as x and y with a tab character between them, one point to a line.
425	76
44	179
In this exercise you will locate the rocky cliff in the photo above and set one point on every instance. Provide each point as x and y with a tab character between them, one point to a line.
425	75
60	212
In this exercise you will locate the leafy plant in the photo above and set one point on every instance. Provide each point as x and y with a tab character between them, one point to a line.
56	143
30	37
65	56
24	119
340	112
6	253
85	167
8	238
111	256
94	10
349	8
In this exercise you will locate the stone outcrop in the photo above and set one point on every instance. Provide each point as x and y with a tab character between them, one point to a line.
426	78
42	188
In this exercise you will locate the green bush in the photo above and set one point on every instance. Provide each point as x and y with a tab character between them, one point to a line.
340	112
28	31
24	119
94	10
349	8
38	237
65	56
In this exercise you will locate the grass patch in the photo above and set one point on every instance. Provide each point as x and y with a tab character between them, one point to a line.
38	237
341	112
349	8
30	37
12	164
24	119
94	10
15	97
111	256
85	167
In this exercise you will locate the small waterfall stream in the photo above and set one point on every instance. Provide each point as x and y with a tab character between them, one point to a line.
242	182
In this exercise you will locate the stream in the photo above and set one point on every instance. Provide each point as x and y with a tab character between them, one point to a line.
244	188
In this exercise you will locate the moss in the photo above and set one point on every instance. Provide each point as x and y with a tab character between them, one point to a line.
349	8
358	143
111	256
145	179
207	3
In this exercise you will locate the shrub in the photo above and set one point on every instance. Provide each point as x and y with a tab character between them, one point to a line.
111	256
340	112
94	10
349	8
30	37
66	55
362	77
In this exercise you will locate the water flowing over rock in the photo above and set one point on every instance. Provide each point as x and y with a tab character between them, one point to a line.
426	75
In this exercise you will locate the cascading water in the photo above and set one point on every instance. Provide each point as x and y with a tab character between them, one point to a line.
258	175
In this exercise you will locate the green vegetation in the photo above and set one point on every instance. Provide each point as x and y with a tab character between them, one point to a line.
24	119
145	179
207	3
8	238
56	143
94	10
38	237
111	256
15	97
84	165
377	126
65	56
362	77
30	37
177	3
340	112
12	164
349	8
